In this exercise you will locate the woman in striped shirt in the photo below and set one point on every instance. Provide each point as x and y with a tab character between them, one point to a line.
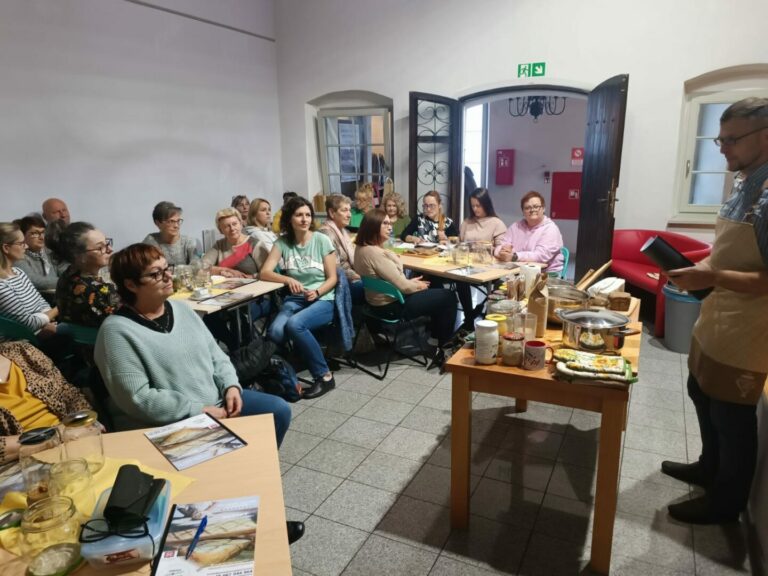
19	300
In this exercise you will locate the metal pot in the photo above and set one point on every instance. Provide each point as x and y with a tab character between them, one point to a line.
564	298
595	330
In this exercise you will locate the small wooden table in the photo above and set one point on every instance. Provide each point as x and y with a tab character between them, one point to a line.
252	290
252	470
541	386
444	269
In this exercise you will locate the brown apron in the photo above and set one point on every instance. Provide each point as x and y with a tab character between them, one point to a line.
728	349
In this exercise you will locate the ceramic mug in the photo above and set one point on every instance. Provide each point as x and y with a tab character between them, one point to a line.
535	357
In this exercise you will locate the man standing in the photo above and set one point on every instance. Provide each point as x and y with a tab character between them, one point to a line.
55	209
728	361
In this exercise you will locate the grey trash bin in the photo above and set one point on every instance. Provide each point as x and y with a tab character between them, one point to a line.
680	314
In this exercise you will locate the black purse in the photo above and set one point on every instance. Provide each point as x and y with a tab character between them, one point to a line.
132	497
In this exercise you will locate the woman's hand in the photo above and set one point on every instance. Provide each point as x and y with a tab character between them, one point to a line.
422	284
47	331
294	286
311	295
52	313
232	273
215	411
506	252
233	401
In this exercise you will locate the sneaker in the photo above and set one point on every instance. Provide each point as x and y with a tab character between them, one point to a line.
319	388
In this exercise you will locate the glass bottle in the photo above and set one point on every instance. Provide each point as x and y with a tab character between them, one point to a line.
47	523
82	439
512	349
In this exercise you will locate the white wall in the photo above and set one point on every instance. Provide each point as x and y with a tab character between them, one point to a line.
454	48
539	146
114	106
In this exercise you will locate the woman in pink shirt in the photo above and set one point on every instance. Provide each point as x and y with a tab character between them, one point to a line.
536	238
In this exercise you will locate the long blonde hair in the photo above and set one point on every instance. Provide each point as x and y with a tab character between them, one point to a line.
8	231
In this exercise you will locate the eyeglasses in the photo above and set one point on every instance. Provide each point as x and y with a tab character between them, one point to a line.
175	221
532	208
730	140
19	243
386	223
425	206
103	248
39	234
158	275
99	529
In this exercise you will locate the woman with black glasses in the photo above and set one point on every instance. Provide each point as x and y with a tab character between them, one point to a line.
83	296
178	249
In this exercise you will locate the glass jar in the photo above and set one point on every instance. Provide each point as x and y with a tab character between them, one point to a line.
72	478
82	438
512	349
47	523
39	449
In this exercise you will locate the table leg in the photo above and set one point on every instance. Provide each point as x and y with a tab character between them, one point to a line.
461	439
611	425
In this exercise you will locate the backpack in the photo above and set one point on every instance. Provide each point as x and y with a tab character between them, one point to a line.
279	378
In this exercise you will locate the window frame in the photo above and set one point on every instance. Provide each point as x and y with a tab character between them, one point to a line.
685	211
324	113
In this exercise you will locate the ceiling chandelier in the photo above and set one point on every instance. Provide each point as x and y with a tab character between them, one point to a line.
536	106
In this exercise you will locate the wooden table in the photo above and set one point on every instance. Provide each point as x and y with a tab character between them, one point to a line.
252	470
540	386
443	268
252	290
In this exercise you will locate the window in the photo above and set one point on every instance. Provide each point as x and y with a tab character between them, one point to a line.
703	181
475	119
355	148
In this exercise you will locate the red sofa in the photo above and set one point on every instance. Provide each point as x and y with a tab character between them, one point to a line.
633	266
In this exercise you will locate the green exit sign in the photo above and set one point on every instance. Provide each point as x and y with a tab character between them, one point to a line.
531	69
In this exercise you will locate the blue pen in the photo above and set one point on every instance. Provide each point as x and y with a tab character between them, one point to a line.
200	530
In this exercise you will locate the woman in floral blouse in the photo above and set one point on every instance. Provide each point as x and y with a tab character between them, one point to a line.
82	295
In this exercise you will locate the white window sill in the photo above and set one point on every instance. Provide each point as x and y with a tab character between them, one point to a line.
692	220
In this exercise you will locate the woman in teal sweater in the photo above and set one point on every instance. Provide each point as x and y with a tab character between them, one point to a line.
158	360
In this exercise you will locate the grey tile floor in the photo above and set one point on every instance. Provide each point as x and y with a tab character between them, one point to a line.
366	467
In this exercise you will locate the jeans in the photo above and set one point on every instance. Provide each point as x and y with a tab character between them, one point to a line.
437	303
255	402
728	449
223	324
296	320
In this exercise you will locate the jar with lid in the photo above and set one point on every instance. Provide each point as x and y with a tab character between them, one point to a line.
486	342
39	449
512	349
48	523
82	438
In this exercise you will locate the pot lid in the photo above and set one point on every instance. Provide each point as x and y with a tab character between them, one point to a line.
591	318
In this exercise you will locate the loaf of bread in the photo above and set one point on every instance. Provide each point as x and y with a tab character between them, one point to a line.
219	551
619	301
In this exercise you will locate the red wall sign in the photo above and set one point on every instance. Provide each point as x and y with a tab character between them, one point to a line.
577	156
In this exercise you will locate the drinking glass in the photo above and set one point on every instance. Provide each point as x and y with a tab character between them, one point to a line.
71	478
39	449
525	324
82	438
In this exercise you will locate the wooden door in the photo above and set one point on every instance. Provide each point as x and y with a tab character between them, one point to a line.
606	109
434	151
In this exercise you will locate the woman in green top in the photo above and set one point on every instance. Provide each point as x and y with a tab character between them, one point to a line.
309	273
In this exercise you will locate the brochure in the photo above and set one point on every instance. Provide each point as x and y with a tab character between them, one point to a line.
228	298
194	440
233	283
213	538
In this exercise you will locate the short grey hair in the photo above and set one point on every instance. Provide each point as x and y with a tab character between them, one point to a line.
749	108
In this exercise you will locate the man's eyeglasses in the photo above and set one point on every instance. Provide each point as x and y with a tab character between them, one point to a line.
532	208
103	248
176	221
730	140
39	234
158	275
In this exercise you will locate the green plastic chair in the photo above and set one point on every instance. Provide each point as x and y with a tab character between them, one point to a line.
566	257
372	316
12	330
81	334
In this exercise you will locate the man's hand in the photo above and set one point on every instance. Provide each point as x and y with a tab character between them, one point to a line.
215	411
233	401
695	277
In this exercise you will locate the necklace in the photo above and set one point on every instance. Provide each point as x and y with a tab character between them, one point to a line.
162	323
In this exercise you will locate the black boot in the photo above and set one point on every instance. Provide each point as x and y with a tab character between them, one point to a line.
690	473
320	387
295	530
699	511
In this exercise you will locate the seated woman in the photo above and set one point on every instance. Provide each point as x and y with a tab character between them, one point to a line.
242	205
236	255
394	206
482	226
176	248
372	260
431	225
276	219
535	238
33	394
39	264
339	209
82	295
19	300
309	273
260	224
363	203
159	363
